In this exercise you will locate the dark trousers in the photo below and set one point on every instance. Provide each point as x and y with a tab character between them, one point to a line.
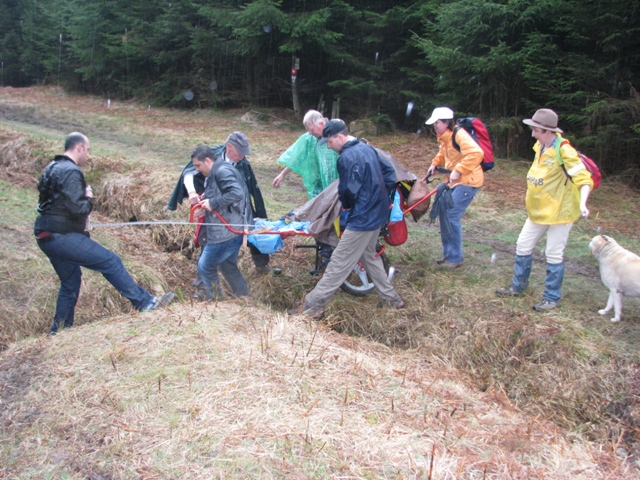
67	253
260	260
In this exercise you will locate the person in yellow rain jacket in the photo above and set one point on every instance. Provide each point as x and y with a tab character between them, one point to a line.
465	179
554	200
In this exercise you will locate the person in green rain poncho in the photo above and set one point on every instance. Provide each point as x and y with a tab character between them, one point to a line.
316	164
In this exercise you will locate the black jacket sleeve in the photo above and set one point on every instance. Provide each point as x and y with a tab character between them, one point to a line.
180	192
257	204
73	188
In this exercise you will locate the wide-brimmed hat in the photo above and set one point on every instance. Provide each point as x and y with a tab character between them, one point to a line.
240	141
440	113
333	127
545	119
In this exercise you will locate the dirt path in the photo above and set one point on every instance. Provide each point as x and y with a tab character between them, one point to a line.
117	134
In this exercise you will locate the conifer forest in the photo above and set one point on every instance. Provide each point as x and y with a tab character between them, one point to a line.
389	60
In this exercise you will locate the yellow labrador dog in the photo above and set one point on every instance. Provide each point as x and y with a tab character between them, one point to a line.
619	270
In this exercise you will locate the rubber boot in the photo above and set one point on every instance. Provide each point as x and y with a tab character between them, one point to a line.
553	282
324	256
521	272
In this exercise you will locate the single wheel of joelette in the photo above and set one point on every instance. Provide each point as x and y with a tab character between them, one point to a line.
358	282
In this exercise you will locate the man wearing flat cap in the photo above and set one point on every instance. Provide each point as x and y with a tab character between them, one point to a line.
558	186
235	150
225	200
365	184
191	185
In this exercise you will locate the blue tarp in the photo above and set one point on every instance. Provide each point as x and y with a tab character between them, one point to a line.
268	243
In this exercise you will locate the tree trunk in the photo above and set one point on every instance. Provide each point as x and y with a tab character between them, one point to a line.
295	96
335	108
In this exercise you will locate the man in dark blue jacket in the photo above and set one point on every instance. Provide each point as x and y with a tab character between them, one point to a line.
64	206
366	182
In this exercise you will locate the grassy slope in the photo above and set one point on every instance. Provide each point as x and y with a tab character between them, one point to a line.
570	367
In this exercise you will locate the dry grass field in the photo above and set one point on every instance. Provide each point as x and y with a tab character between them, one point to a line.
458	385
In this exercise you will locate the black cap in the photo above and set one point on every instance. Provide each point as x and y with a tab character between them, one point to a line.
333	127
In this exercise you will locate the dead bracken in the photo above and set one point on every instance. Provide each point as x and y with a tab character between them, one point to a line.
460	384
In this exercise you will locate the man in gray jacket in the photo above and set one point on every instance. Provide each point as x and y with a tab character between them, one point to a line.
225	193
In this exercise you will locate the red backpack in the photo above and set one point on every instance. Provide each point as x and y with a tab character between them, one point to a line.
589	164
396	232
480	134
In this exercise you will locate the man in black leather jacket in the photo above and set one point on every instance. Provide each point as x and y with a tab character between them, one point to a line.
64	206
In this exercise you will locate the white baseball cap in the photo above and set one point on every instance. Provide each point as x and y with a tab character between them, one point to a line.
440	113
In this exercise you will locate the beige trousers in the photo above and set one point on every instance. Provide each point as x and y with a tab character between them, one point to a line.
557	237
353	246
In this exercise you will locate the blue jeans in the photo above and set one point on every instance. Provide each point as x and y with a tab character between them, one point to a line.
452	245
225	256
68	252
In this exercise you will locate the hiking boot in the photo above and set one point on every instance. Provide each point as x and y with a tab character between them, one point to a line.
201	294
507	292
159	302
263	270
314	313
386	303
440	261
545	305
448	265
